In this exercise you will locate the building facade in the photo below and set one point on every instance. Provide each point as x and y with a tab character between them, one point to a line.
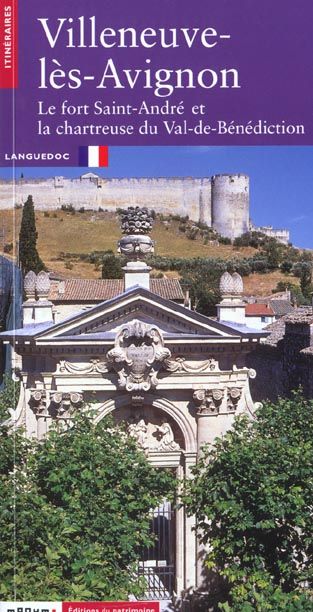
174	377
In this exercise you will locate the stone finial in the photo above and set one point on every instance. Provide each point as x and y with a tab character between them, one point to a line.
136	220
43	285
232	308
226	284
30	285
231	284
136	223
237	284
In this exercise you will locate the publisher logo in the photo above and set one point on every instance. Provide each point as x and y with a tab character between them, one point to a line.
8	44
80	606
31	606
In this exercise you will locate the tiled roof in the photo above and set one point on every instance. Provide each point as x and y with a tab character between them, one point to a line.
98	290
168	288
258	310
281	307
277	332
300	315
278	328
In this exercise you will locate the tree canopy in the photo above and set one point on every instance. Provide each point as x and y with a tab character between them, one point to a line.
28	255
252	495
74	513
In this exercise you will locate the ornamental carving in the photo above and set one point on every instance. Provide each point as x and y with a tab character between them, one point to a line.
150	437
233	397
94	366
64	404
136	223
209	400
38	402
179	364
136	220
136	247
137	356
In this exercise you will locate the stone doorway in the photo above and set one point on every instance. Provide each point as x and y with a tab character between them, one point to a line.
157	565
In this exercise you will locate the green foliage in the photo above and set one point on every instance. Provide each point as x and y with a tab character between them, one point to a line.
112	265
224	240
68	208
252	495
77	508
273	250
203	284
304	271
297	296
192	232
28	254
286	266
8	397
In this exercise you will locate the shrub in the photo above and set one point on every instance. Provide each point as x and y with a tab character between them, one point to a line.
82	501
252	497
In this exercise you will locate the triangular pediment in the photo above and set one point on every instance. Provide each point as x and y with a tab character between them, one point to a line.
105	319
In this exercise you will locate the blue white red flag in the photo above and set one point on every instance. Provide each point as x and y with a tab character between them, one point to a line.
93	156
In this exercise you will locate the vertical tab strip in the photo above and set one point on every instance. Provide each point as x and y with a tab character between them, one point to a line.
8	44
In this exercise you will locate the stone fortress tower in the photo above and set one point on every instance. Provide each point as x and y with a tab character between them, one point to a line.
221	201
230	204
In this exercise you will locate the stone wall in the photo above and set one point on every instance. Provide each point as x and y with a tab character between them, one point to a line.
287	364
282	235
181	196
221	201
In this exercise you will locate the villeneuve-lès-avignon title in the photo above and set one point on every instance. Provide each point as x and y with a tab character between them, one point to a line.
83	33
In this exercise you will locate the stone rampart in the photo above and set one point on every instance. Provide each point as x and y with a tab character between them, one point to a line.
182	196
221	201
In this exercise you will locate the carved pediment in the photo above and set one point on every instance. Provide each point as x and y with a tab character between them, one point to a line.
140	304
137	356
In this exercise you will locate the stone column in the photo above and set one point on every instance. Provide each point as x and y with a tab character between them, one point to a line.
190	536
209	402
39	406
180	539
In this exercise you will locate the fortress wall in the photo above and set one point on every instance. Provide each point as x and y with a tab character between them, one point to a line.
183	196
205	202
222	202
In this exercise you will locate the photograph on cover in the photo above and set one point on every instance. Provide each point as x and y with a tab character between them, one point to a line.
144	306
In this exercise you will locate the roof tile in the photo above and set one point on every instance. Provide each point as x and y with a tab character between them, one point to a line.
98	290
255	310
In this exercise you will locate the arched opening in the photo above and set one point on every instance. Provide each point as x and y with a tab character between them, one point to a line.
169	566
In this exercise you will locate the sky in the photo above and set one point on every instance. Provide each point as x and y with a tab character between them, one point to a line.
281	178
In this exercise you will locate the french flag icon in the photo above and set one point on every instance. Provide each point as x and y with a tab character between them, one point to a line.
93	156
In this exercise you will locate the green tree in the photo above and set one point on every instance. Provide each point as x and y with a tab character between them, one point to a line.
252	495
111	265
202	280
81	503
306	279
273	251
28	254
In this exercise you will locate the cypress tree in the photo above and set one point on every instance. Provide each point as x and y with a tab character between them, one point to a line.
28	255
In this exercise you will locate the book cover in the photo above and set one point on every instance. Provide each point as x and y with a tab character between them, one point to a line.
156	208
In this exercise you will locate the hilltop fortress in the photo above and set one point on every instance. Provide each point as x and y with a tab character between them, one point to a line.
220	201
